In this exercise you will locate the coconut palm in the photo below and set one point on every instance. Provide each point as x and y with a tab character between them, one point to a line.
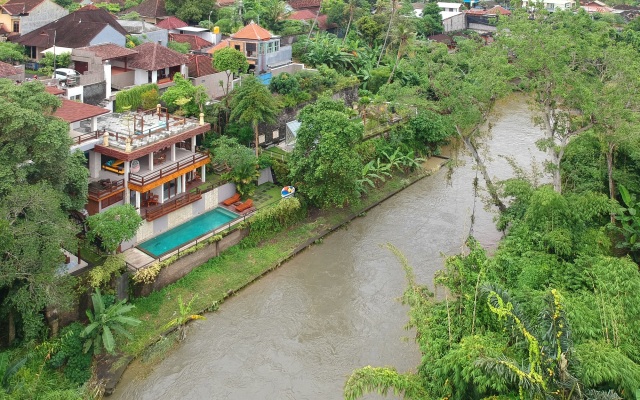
253	103
403	36
386	36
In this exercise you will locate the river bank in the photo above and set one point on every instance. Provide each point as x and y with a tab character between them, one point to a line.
218	279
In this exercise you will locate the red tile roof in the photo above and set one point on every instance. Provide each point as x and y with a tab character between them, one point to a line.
302	15
108	51
7	70
252	31
496	10
73	111
196	42
221	45
301	4
74	30
200	65
153	56
150	8
171	23
53	90
17	7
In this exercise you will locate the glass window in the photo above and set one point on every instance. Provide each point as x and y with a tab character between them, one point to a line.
16	26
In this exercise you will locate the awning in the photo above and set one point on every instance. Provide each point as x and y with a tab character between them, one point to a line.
57	50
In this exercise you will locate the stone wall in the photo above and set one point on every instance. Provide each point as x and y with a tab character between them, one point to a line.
275	133
186	264
94	94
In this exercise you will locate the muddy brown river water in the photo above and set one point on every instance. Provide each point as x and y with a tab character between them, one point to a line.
300	331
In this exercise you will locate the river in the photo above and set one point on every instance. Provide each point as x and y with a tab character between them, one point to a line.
300	331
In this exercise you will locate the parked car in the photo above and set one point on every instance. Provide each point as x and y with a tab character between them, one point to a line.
66	76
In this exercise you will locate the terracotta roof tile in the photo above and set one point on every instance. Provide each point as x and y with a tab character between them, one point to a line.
108	51
301	4
17	7
54	90
196	42
496	10
223	43
302	15
74	30
7	70
171	23
252	31
73	111
200	65
153	56
150	8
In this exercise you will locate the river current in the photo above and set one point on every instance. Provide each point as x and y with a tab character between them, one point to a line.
298	332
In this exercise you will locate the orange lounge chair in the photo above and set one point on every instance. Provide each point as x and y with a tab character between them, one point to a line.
231	199
244	206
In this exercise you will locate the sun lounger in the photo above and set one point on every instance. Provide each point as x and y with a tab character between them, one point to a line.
244	206
231	199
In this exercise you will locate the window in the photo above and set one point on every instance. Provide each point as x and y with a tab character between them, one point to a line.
16	26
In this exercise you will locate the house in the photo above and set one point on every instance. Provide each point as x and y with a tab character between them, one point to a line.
313	5
260	46
493	11
152	11
450	7
171	24
154	63
147	159
309	17
204	33
596	7
23	16
145	32
551	5
201	72
87	26
627	12
8	71
196	43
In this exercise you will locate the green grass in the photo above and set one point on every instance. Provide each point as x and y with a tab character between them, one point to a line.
238	266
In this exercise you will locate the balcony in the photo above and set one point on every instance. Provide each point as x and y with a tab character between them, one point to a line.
105	188
172	205
146	179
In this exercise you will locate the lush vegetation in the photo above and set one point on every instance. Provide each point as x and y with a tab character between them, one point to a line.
131	99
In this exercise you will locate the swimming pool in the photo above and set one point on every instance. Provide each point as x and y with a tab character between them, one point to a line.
185	233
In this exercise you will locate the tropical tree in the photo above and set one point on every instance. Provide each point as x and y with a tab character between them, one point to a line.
431	21
402	36
104	322
185	316
11	52
113	226
240	162
231	61
188	98
324	163
252	103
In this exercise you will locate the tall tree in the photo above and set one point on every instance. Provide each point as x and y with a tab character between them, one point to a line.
402	37
253	103
40	179
231	61
324	164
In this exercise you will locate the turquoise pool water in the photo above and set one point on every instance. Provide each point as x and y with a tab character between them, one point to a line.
178	236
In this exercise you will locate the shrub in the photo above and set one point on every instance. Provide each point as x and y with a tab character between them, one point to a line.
273	219
284	84
132	98
75	364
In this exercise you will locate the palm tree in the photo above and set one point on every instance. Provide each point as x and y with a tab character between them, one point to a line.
103	321
252	103
386	37
351	6
403	35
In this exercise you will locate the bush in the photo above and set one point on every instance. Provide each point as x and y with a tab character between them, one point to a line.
75	364
132	98
270	220
284	84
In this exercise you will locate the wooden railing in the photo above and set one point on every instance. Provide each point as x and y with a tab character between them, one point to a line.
172	205
105	189
87	136
142	180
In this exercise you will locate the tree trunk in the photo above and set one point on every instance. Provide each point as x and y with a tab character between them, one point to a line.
386	37
612	188
491	188
12	328
256	135
348	25
395	66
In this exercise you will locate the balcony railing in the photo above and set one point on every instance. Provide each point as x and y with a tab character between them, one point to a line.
172	205
154	176
87	137
101	189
